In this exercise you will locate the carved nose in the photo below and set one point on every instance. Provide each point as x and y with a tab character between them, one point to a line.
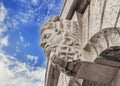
43	44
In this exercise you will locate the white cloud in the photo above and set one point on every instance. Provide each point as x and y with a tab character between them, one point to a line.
32	58
3	12
27	45
21	38
15	73
34	2
4	41
3	28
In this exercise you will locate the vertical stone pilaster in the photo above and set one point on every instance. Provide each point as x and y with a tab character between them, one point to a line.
85	27
96	10
111	12
78	18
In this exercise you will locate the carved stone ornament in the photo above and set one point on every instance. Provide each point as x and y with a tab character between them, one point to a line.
60	40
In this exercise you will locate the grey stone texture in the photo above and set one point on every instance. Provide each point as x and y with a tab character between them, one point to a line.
83	44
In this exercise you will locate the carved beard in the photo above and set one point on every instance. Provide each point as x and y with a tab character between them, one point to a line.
62	48
53	44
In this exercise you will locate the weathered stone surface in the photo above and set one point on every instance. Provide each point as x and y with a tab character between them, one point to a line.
92	83
75	82
53	75
111	54
103	61
48	72
111	12
116	80
78	18
60	39
113	37
88	53
96	72
83	6
75	16
76	68
69	8
96	9
90	31
99	42
118	23
85	27
63	80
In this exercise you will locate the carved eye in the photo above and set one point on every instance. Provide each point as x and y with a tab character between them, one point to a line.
56	30
46	36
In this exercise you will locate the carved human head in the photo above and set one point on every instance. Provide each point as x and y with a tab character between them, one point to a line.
59	38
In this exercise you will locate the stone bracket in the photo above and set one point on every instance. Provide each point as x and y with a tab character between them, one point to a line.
96	72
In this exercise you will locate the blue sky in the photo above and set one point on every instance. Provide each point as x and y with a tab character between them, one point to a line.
22	59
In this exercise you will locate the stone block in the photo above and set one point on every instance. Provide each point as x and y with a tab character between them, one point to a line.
85	27
99	42
113	37
116	80
111	12
92	83
76	68
53	75
63	80
69	8
78	18
96	9
96	72
118	23
89	53
83	5
103	61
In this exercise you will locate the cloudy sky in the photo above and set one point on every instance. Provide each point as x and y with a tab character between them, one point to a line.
22	60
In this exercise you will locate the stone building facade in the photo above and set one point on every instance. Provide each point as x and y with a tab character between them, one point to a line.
83	44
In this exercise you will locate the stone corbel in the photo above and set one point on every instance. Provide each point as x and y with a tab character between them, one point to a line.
60	40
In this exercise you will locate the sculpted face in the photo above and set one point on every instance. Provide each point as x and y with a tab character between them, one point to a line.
50	35
60	40
45	42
